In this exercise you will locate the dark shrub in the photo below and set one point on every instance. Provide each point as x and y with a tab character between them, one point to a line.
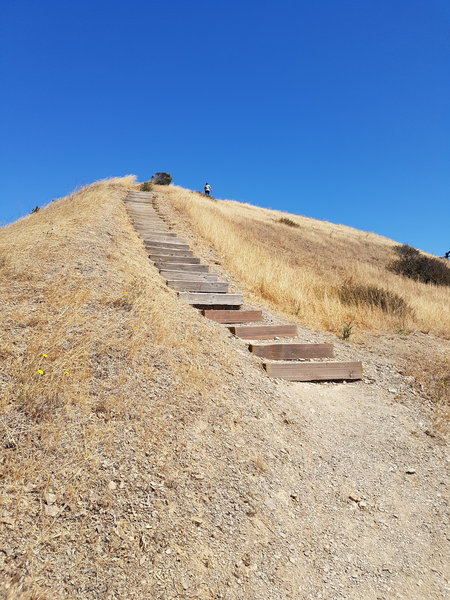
289	222
415	265
375	297
35	210
146	186
162	178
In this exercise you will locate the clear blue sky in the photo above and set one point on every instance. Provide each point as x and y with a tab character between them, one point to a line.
334	109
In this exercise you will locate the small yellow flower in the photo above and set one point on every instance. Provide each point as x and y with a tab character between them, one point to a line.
125	292
40	371
66	373
45	355
442	383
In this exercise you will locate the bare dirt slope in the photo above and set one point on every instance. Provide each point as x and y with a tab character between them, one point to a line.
166	465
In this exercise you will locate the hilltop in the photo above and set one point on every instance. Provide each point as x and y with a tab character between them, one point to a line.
146	454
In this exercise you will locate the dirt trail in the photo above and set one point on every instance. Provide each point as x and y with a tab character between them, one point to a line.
359	487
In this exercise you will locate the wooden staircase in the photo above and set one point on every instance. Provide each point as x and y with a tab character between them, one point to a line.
191	279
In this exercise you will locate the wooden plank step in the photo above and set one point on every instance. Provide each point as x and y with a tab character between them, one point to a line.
264	332
167	259
158	255
293	351
198	286
166	245
187	276
233	316
200	299
150	239
329	371
163	266
164	233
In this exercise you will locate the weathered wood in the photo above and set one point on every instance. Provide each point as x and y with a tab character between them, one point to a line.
162	266
233	316
170	241
264	332
330	371
158	255
293	351
167	259
164	233
198	286
173	245
187	276
199	299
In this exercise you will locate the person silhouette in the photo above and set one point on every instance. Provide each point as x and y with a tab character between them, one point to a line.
207	189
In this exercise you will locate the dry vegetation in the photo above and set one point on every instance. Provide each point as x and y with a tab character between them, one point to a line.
325	276
144	454
301	269
100	373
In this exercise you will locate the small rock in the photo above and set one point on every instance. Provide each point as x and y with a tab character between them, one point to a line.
355	497
410	471
112	485
51	510
362	505
49	498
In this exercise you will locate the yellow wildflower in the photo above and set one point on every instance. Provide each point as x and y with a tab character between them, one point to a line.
45	355
40	371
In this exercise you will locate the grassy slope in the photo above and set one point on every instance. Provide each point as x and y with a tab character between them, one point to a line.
135	403
300	269
143	461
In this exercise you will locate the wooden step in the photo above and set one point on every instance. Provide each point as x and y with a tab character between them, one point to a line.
167	258
199	299
198	286
173	253
151	238
187	276
172	245
164	233
264	332
326	371
233	316
293	351
163	266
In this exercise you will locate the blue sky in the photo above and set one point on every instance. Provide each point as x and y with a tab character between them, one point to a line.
337	110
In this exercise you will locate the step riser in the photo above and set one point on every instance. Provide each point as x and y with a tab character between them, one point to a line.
150	245
177	260
211	299
233	316
293	351
163	266
172	254
198	286
187	276
315	371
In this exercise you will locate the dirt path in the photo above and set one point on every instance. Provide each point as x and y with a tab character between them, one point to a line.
359	488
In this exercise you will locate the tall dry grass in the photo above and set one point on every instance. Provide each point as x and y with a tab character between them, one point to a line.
301	269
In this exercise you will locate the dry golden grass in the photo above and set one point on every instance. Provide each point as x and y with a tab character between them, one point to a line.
96	357
300	269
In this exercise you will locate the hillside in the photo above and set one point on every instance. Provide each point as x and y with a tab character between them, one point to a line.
145	454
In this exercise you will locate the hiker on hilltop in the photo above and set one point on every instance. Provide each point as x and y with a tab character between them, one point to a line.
207	189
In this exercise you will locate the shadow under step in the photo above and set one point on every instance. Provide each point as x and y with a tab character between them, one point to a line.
326	371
